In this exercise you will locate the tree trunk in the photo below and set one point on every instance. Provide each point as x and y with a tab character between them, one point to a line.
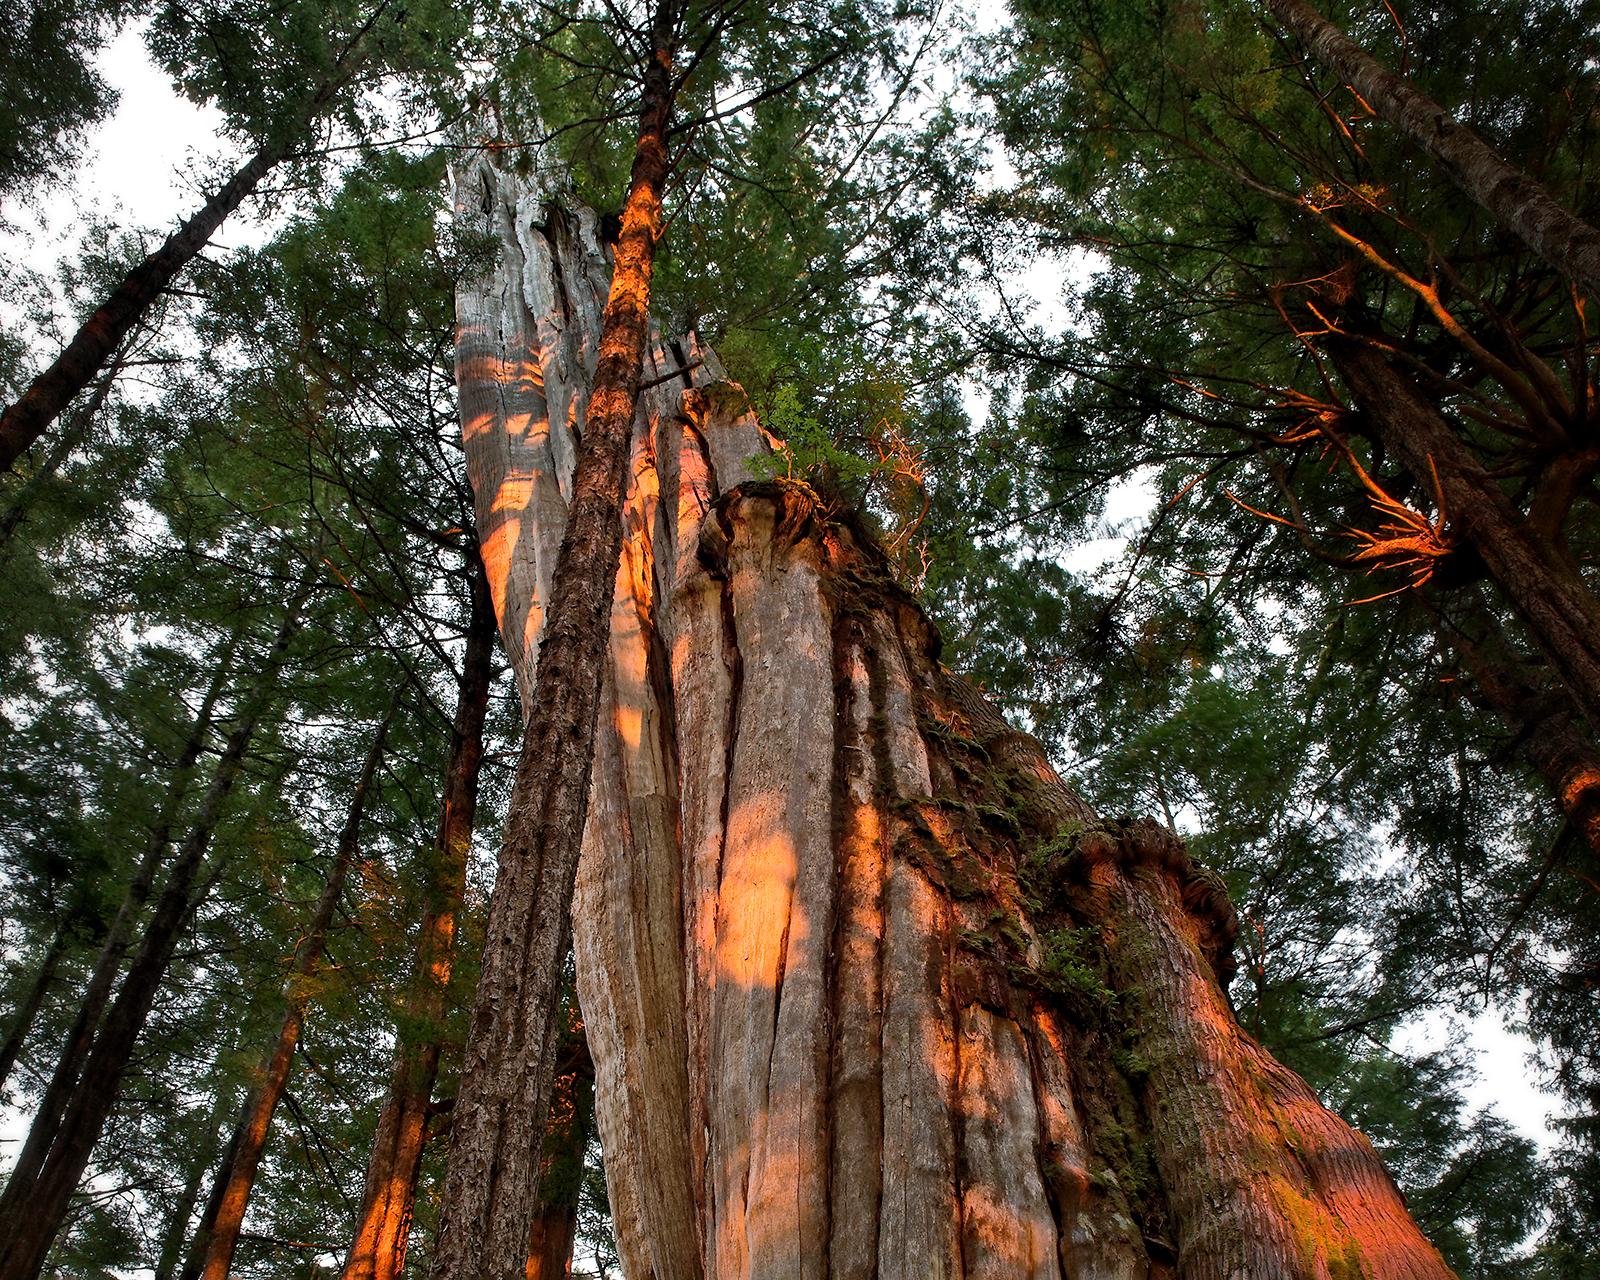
383	1226
42	978
1568	243
274	1072
1541	725
555	1222
34	1206
869	991
491	1181
172	1251
195	1260
46	1122
26	419
1540	582
71	437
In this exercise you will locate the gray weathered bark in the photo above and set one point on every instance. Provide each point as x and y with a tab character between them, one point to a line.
846	945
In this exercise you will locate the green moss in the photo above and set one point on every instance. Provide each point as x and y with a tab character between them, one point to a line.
1072	965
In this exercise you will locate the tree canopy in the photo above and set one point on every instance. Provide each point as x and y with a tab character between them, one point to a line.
250	530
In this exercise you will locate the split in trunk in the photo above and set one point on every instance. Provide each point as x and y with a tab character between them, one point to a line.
566	1142
869	991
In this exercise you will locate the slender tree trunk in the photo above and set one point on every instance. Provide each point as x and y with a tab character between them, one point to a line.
26	419
490	1185
1568	243
555	1222
869	991
46	1122
34	1207
200	1246
274	1072
1560	612
71	437
172	1251
378	1247
42	978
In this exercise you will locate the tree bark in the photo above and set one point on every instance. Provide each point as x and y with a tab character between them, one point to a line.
869	991
491	1181
34	1206
383	1226
1568	243
46	1123
274	1072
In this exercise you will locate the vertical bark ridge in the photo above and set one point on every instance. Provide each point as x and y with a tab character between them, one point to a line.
855	1078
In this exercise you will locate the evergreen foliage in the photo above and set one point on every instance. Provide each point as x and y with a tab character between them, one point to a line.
1331	756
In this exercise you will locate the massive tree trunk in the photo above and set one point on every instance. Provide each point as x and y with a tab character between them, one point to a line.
869	991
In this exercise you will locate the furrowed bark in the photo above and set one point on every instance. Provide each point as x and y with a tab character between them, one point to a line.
855	1003
1568	243
383	1226
33	1208
491	1183
1542	586
274	1071
45	1125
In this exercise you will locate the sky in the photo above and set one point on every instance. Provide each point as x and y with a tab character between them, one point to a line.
142	167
